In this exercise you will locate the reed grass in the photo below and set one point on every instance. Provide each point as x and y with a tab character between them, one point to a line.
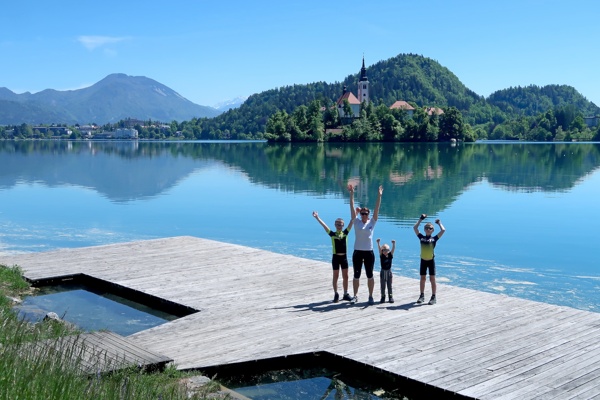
37	362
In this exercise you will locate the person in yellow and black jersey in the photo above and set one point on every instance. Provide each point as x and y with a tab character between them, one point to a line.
339	259
428	243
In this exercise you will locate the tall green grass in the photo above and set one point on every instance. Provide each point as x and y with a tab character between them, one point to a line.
31	368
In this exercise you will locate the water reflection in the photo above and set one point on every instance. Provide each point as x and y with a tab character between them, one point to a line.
91	309
432	175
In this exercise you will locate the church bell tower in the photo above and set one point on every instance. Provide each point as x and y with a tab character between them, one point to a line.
363	84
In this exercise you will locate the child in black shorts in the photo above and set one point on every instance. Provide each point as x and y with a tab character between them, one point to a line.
385	275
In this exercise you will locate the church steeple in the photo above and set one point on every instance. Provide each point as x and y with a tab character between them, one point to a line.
363	72
363	84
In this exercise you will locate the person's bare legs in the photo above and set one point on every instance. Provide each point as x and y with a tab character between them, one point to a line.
371	285
355	284
345	280
336	274
433	299
422	288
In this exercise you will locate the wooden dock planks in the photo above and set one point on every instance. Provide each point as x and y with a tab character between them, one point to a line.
257	304
100	352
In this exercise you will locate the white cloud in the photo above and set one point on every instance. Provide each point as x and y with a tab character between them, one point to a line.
91	42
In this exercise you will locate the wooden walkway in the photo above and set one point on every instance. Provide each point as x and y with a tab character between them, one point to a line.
102	352
257	304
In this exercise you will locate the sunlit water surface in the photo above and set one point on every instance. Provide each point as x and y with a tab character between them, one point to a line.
520	218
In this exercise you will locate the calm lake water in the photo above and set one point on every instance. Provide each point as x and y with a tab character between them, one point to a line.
91	309
518	215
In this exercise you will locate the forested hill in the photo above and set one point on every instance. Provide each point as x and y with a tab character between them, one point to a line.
533	100
251	117
410	77
416	79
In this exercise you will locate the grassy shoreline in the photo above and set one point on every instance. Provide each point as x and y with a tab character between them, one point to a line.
27	374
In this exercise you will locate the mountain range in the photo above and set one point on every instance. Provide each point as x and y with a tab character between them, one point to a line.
409	77
116	97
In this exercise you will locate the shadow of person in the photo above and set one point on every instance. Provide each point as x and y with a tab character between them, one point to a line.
321	306
406	306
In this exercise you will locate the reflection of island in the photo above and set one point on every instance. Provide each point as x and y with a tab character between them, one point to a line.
430	175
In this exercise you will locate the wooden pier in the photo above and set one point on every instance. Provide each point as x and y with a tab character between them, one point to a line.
256	304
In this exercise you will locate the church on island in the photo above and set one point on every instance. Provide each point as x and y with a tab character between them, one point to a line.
353	101
348	115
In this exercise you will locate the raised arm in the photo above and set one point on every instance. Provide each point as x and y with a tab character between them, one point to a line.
393	246
349	227
323	224
352	209
416	227
379	245
442	229
378	204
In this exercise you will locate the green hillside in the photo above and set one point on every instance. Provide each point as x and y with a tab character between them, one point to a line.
533	100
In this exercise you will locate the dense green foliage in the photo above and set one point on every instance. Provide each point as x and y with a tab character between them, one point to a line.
375	124
558	124
249	120
534	100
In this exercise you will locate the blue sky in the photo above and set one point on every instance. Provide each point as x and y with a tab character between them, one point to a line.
212	51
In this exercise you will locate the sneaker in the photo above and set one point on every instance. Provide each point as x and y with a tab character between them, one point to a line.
354	300
421	299
347	297
371	301
382	299
432	301
391	298
336	297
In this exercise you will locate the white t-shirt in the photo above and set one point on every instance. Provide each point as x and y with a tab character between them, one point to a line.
363	239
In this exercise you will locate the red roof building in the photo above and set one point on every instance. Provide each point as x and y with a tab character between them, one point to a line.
354	104
434	110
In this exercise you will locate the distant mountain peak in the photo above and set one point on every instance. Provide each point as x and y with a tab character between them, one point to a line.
231	103
113	98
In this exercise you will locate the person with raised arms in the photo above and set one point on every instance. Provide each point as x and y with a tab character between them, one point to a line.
363	243
428	243
339	259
